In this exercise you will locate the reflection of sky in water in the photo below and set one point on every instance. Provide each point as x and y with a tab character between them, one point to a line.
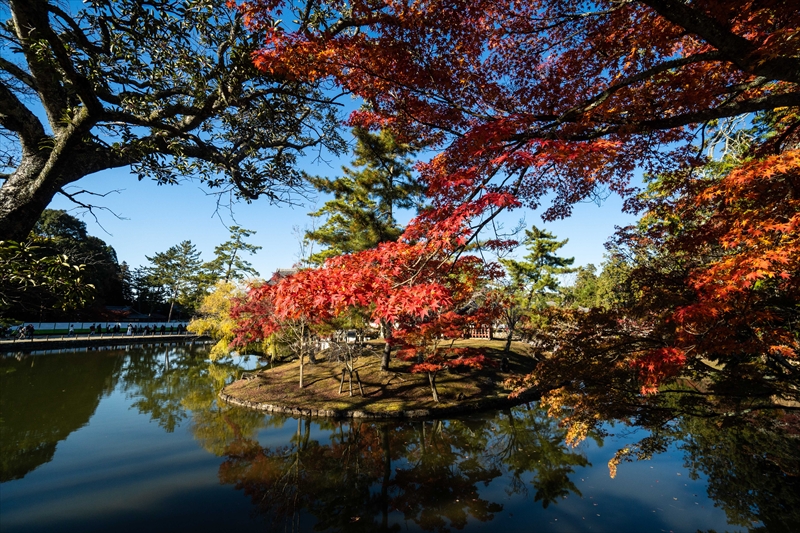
654	495
657	492
122	471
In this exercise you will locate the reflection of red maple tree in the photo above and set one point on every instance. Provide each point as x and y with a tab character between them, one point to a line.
532	98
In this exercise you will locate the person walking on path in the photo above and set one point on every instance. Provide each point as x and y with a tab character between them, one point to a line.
130	330
71	331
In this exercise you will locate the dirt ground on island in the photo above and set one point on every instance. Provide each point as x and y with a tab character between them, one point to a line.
395	390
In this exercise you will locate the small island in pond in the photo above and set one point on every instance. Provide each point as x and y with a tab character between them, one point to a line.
396	393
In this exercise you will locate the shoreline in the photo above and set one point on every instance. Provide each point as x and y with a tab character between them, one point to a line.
467	407
55	342
384	394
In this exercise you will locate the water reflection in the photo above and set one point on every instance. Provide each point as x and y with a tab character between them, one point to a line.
43	400
746	447
434	475
179	384
752	466
46	397
429	472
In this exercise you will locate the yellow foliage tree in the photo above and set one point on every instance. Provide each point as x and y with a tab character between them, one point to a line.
214	318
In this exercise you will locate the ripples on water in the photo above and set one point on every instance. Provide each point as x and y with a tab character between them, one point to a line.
134	439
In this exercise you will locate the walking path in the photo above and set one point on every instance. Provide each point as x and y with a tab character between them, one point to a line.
45	342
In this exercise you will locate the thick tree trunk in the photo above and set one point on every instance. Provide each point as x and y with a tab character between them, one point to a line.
40	176
23	198
387	352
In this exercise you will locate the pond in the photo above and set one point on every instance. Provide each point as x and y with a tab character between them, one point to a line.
135	440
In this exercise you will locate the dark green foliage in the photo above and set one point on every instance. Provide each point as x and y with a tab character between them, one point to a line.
67	235
148	296
60	269
34	282
583	293
532	283
362	213
536	276
176	271
167	88
611	288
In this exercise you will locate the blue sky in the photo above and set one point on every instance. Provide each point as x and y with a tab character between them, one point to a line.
157	217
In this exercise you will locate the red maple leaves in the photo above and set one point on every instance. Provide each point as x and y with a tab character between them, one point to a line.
418	287
528	100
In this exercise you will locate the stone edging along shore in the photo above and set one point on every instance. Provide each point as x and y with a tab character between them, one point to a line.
467	407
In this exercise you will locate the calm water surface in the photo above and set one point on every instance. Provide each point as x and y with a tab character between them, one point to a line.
135	440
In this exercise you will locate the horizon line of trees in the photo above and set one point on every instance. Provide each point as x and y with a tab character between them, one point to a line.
62	272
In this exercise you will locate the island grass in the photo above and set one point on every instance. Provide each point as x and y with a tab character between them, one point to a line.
384	392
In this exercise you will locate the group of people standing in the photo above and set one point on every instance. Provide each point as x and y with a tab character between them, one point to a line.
133	329
147	330
25	332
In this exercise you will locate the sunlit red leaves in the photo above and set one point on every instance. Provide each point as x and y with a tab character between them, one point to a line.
657	365
756	219
416	287
486	76
484	80
739	237
558	98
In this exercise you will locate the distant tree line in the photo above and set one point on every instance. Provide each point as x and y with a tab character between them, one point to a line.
62	272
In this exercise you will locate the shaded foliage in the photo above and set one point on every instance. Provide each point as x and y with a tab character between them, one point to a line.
165	88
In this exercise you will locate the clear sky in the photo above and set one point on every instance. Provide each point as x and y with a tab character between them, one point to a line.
157	217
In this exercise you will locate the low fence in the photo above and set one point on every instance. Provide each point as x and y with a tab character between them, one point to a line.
51	342
66	330
104	325
479	333
122	334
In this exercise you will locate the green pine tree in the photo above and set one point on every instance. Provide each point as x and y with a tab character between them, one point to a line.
362	213
228	263
537	274
534	279
177	271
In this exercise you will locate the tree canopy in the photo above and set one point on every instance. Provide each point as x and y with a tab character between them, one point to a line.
177	270
565	100
228	263
532	98
166	88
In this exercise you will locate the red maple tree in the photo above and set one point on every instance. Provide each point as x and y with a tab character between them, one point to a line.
420	288
733	246
558	98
